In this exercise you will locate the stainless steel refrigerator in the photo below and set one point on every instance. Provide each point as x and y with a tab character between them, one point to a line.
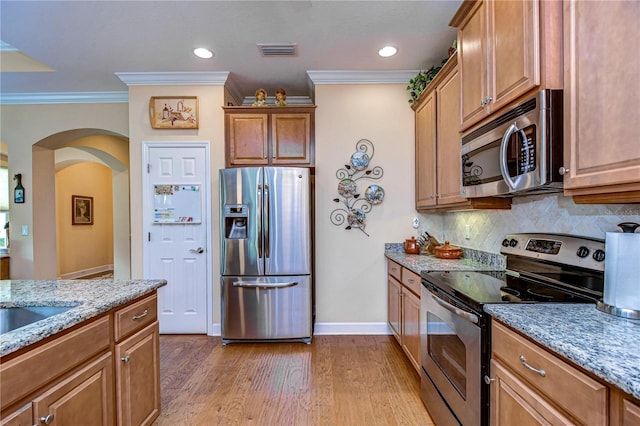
265	234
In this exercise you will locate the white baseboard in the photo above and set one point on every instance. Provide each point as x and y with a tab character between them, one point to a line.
341	328
333	328
85	272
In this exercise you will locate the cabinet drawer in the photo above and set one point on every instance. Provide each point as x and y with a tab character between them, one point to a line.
411	280
394	269
26	373
580	396
136	316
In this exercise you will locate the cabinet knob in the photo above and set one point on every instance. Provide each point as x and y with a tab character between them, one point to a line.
46	420
488	380
125	358
563	171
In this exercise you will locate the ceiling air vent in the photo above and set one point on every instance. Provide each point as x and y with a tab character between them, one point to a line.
278	49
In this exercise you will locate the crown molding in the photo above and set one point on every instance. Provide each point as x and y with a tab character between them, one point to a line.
361	77
209	78
43	98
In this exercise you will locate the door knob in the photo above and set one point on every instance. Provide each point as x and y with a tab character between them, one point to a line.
199	250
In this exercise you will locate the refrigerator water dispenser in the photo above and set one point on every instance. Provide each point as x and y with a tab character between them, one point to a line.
235	221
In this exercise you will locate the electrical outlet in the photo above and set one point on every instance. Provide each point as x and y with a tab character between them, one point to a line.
467	232
25	230
416	222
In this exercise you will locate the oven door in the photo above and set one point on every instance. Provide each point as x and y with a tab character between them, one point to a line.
451	341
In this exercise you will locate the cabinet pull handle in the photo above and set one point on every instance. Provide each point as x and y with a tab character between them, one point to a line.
46	420
125	358
142	315
523	361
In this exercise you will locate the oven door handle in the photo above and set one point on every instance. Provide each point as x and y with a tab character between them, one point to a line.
457	311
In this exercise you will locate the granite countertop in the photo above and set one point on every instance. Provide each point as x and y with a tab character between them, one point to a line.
601	343
471	260
89	299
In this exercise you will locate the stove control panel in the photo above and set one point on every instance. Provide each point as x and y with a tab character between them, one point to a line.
560	248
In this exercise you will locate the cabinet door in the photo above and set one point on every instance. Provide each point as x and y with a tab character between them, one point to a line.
394	296
20	417
83	398
601	97
426	152
472	60
630	413
511	399
290	139
513	50
448	150
138	378
411	327
247	139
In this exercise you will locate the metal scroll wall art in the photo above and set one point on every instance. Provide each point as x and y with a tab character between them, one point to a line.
354	208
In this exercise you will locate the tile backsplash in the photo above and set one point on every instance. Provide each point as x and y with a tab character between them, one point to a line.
486	229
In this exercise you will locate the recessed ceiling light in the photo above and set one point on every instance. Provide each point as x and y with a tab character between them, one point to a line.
203	53
387	51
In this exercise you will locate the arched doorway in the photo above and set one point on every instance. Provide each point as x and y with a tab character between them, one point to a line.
62	151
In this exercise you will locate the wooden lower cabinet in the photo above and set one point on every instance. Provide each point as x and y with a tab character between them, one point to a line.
70	379
138	377
83	398
21	417
537	387
403	310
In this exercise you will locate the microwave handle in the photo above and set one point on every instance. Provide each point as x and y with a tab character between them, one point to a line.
503	155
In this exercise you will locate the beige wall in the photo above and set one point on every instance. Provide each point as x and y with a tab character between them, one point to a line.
76	244
22	126
350	267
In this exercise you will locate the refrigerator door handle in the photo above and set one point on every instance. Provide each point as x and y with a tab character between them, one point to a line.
259	219
267	214
264	285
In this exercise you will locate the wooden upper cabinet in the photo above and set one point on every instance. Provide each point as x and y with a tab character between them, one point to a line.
505	50
425	113
448	148
602	101
257	136
291	139
247	139
438	164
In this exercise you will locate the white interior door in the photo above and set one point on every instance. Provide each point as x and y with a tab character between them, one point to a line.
176	222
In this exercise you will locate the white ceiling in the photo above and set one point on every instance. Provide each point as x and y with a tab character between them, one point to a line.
86	42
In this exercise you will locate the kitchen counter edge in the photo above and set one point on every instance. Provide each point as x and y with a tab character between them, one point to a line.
602	344
89	298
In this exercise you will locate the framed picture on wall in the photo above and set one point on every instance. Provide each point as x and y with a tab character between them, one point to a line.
173	112
81	210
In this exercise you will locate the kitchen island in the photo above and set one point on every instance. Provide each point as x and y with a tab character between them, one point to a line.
91	361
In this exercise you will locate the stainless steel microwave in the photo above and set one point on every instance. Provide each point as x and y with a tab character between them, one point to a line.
518	153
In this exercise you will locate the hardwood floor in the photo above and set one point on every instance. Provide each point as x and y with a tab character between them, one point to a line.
336	380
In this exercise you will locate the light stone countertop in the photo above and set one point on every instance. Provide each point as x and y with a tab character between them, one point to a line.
89	299
471	261
601	343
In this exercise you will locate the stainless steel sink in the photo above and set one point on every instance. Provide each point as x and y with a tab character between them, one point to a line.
12	318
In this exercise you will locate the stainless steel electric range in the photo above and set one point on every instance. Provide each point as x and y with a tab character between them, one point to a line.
455	332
